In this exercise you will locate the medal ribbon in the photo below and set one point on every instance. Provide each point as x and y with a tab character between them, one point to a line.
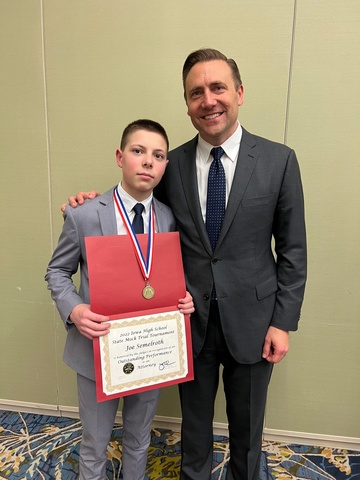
145	265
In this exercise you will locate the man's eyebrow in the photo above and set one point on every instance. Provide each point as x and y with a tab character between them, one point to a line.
195	88
216	83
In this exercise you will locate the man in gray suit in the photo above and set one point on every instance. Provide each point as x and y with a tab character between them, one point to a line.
243	326
143	159
246	299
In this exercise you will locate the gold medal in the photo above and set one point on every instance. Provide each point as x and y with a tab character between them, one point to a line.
148	291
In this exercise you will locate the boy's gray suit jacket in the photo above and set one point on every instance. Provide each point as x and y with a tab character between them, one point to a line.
93	218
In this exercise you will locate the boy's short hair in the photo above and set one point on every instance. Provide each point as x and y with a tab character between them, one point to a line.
143	124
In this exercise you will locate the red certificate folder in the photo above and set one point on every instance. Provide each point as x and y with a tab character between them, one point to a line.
116	284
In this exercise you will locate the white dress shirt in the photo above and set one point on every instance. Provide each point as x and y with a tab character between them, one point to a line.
229	160
129	203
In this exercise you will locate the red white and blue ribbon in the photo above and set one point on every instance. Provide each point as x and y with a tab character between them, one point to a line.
145	265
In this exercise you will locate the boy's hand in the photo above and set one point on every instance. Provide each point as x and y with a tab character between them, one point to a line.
79	199
89	323
186	304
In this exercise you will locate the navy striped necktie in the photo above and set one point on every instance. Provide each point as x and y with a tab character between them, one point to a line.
216	196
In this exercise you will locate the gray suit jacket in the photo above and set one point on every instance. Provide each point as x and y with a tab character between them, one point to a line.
96	217
255	289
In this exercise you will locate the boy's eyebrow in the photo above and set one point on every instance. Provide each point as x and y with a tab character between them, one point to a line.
160	150
138	145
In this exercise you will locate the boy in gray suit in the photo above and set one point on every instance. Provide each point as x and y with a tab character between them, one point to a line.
143	159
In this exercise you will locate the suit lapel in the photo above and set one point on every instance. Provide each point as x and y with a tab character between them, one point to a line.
245	165
187	167
246	162
244	168
106	212
160	219
107	216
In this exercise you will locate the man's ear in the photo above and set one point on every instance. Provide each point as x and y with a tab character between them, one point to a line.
119	157
240	95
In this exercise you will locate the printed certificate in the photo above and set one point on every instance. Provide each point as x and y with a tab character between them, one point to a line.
149	344
147	351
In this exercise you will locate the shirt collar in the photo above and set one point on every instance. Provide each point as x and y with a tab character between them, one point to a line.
230	146
129	201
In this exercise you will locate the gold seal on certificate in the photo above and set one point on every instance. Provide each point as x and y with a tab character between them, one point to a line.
148	291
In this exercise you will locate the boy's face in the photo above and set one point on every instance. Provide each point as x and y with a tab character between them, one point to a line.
143	162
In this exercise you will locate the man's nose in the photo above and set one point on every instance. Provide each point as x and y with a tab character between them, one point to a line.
209	99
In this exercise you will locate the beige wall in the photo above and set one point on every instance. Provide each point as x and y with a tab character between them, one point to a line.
74	73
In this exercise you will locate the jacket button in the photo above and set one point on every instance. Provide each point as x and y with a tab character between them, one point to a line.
206	296
214	260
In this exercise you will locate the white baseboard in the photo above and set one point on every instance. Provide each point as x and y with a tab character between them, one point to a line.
29	407
174	423
316	439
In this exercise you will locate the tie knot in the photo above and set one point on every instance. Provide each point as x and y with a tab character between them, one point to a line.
138	208
217	153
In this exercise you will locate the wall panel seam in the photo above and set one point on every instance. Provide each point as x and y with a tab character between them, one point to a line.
288	94
50	205
46	117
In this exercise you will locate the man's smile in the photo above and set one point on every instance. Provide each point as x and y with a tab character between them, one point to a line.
212	116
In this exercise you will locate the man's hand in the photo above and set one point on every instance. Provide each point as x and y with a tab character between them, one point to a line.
89	323
79	199
186	304
276	345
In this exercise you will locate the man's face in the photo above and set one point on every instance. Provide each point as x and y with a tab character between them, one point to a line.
143	162
213	100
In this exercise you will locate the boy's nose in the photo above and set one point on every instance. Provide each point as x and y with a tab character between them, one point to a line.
148	161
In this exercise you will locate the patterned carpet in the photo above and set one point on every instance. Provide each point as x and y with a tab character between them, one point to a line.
39	447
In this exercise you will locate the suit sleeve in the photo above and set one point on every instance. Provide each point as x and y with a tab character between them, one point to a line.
63	265
290	247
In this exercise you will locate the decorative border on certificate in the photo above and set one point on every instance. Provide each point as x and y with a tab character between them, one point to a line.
143	351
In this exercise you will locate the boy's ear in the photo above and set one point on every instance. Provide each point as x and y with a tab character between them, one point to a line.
119	158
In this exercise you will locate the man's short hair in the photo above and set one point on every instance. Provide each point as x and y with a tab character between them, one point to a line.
206	55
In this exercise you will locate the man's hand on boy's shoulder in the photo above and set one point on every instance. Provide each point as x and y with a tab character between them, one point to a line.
79	199
88	323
